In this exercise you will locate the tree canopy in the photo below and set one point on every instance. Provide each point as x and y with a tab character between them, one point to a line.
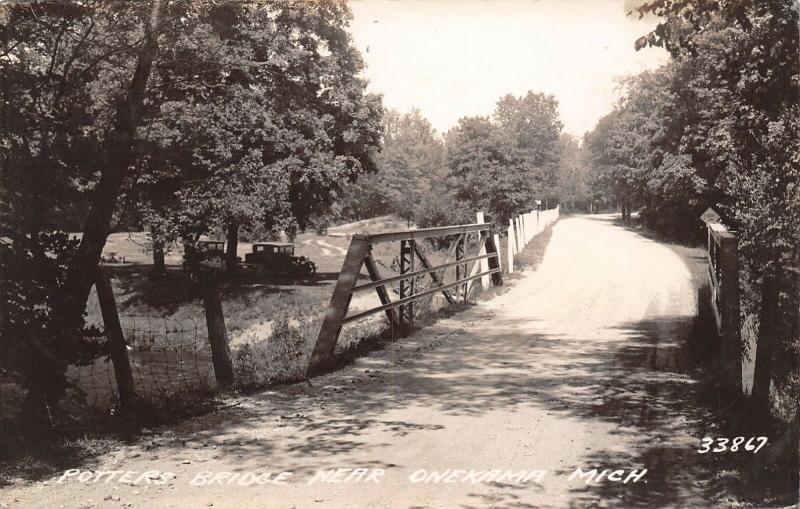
501	164
718	126
192	114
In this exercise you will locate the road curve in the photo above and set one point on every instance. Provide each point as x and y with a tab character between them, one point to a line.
580	364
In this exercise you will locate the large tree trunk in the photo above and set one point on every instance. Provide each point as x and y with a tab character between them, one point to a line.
232	246
119	155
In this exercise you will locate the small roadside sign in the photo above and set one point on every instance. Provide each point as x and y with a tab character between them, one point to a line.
710	216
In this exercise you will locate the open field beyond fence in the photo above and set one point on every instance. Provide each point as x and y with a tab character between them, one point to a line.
272	322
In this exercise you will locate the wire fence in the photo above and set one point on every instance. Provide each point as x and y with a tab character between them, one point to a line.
169	358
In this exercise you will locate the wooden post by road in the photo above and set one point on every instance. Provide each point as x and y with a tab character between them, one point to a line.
492	247
217	334
511	246
116	340
484	263
723	261
496	239
406	285
461	270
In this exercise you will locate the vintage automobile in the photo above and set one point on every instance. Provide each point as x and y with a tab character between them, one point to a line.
207	253
278	258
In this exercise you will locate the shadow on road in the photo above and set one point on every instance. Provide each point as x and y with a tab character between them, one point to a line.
657	385
653	380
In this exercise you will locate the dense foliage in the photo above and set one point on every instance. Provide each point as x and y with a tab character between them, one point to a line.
500	165
718	126
185	114
260	115
410	165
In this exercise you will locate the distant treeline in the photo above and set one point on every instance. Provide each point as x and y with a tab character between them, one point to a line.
499	164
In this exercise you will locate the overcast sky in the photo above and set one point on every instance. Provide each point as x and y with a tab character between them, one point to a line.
452	58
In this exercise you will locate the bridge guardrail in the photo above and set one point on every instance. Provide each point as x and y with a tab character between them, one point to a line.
723	277
402	310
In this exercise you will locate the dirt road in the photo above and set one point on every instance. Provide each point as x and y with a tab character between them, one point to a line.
581	364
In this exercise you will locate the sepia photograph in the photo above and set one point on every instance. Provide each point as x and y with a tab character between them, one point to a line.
399	254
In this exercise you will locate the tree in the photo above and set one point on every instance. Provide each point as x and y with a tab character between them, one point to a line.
531	125
628	149
500	165
277	121
573	189
735	73
73	79
206	114
410	165
485	170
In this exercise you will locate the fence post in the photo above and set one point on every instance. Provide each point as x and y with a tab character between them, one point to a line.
217	334
461	270
511	247
534	224
484	263
116	340
406	285
496	239
493	247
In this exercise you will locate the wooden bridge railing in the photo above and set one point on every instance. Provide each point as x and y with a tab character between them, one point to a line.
524	227
723	276
359	255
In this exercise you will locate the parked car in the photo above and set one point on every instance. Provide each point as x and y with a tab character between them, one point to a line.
208	253
278	258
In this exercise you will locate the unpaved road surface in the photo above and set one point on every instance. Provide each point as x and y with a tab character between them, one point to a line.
580	364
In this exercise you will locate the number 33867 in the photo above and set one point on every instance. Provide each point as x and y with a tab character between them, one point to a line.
753	444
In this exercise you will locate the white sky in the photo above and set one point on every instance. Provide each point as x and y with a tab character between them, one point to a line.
453	58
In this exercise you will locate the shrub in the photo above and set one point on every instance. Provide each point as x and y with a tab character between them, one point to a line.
283	357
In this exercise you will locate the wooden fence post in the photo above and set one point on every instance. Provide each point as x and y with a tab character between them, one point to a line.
116	340
492	247
461	270
484	263
217	334
524	230
406	285
496	239
511	246
534	223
